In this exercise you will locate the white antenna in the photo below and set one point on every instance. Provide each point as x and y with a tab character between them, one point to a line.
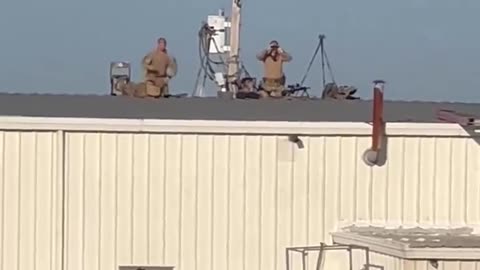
214	32
218	24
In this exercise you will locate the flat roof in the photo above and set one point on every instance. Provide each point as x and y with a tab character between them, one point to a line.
414	243
297	110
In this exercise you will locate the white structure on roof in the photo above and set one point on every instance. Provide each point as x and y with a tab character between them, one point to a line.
102	193
219	24
414	243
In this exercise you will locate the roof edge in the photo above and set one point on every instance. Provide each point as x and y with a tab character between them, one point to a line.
410	225
226	127
107	95
403	251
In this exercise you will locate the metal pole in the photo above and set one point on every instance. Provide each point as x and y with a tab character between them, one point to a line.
287	258
377	117
322	51
234	61
350	259
370	156
367	259
320	257
304	263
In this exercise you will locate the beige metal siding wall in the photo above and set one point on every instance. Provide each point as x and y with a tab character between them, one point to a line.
201	202
30	201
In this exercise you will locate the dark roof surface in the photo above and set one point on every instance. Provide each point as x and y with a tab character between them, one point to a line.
218	109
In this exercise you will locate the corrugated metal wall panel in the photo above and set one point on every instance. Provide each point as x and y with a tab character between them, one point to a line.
235	202
29	228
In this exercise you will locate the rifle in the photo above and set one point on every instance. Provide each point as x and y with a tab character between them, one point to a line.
294	89
183	95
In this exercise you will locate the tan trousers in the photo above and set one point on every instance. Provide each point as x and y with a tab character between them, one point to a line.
157	87
273	87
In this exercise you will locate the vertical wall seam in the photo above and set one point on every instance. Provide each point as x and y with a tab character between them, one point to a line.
244	197
19	201
467	183
260	211
180	198
338	187
35	198
324	185
434	182
371	189
149	195
100	191
292	191
115	256
276	208
164	199
308	193
356	186
61	170
2	218
450	182
386	211
197	208
403	180
132	197
212	203
53	203
83	203
418	206
229	179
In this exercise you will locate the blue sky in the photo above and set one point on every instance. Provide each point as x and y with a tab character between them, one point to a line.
424	49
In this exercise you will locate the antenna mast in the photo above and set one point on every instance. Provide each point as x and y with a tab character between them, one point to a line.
233	60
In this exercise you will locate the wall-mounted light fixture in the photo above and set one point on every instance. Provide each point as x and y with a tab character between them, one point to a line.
296	140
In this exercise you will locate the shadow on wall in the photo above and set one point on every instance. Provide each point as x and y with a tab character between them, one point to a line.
383	153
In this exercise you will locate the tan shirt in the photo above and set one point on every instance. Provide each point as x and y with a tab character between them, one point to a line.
273	69
156	63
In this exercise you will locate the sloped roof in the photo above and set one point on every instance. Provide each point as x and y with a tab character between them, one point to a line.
90	106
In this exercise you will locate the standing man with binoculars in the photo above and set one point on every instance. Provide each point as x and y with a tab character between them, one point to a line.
159	68
273	83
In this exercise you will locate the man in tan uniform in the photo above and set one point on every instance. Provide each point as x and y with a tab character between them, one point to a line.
159	69
132	89
273	83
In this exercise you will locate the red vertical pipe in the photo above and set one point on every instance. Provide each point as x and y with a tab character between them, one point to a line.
377	131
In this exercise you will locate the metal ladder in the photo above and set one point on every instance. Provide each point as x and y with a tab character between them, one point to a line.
462	119
322	248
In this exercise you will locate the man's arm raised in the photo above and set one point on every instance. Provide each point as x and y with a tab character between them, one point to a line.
286	57
261	56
